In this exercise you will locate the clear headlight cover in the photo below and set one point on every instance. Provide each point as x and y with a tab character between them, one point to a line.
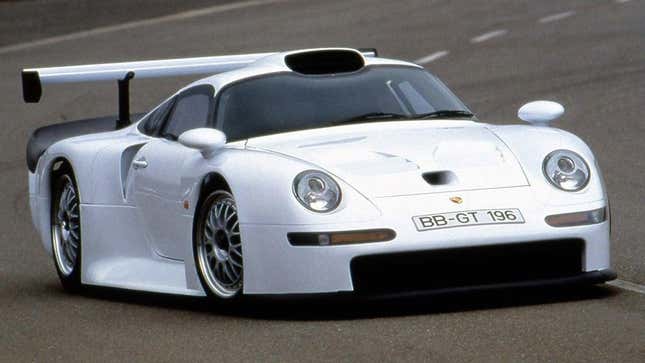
316	191
566	170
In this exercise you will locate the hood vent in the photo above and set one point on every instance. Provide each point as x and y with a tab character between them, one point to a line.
325	61
444	177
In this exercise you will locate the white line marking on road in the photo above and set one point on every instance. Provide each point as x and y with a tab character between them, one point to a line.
135	24
432	57
628	286
556	17
489	35
622	1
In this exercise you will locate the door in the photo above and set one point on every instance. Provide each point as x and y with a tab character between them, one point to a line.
157	167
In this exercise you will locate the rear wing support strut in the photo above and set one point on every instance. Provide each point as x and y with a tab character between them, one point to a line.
124	101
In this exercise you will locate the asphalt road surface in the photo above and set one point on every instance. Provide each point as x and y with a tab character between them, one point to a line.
497	54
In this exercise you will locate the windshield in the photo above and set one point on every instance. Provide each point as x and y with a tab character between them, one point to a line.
284	102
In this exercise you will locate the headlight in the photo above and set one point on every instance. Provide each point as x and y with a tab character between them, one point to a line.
316	191
566	170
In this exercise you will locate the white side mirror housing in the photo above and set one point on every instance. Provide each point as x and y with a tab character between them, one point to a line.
540	113
206	140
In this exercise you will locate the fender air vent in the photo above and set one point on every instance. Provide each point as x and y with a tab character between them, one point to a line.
325	61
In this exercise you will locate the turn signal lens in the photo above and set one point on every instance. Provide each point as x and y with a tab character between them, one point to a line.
340	238
578	218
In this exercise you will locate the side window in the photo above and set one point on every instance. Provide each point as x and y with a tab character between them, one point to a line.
192	109
153	123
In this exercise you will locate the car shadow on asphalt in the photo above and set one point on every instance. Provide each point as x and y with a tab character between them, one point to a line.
348	308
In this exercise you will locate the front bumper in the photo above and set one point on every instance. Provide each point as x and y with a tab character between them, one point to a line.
273	266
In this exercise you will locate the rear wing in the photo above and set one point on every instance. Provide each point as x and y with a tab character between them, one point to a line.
34	78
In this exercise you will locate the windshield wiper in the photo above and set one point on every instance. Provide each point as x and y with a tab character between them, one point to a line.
372	116
445	113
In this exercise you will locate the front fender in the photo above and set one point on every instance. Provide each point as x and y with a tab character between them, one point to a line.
262	183
532	144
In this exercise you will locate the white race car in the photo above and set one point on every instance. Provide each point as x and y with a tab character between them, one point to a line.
312	171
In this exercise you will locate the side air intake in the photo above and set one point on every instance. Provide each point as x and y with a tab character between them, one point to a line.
326	61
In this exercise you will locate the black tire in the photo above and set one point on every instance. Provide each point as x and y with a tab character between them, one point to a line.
218	253
66	229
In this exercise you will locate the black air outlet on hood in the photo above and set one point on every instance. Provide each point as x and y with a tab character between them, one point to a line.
444	177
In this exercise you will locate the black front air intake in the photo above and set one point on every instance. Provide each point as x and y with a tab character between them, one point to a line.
467	266
325	61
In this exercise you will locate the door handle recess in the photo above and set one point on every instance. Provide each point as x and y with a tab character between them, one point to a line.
140	163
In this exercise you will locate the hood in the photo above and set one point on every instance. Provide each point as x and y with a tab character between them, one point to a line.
405	157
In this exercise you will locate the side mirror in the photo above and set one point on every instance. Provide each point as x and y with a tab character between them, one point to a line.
206	140
540	113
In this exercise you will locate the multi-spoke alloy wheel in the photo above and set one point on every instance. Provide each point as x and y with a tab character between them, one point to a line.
66	231
219	246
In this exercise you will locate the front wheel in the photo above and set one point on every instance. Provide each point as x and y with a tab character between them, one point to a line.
218	246
66	231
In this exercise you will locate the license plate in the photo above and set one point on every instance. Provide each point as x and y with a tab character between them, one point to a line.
467	218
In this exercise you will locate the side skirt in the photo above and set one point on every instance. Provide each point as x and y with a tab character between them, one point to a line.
116	254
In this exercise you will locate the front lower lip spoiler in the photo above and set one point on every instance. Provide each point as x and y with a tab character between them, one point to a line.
582	279
585	278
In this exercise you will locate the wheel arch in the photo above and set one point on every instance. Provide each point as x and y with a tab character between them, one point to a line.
53	168
41	194
213	181
48	169
209	182
57	167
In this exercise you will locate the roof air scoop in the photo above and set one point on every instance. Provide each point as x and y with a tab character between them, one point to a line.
325	61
